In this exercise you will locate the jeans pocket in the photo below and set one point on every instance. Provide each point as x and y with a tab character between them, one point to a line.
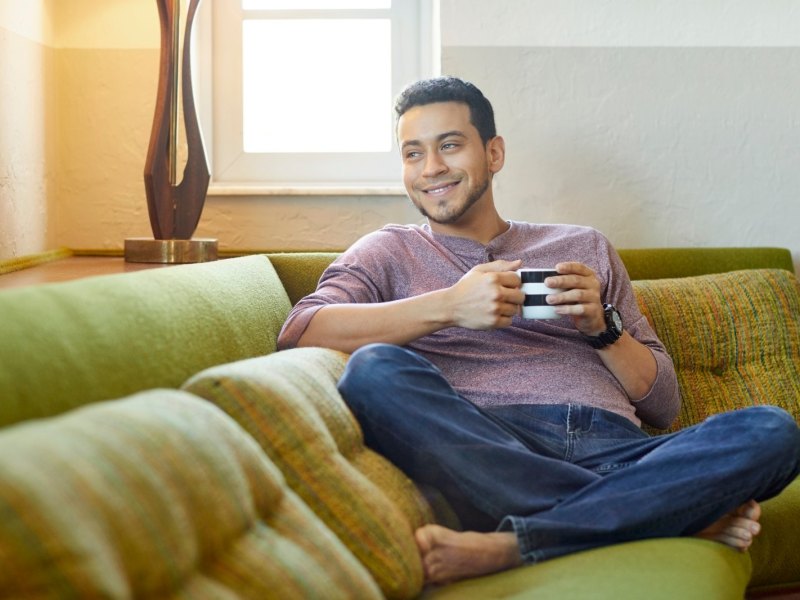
609	425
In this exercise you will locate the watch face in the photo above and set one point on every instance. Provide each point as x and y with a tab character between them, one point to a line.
615	319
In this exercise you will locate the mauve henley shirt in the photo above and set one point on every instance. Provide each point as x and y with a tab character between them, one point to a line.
530	362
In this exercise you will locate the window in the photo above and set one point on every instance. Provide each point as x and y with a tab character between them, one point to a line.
301	91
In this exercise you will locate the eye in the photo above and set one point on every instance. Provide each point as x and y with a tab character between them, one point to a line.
449	145
413	154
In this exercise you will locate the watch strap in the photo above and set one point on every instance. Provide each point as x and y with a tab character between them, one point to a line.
610	335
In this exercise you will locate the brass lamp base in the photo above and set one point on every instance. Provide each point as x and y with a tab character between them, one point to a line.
146	250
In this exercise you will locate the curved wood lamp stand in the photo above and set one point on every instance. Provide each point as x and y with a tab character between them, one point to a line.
174	208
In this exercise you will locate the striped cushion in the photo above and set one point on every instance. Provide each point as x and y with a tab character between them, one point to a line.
160	495
734	338
289	403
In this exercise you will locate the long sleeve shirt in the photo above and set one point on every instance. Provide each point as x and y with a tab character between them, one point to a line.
530	362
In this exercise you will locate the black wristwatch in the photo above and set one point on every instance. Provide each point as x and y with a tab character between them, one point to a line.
613	329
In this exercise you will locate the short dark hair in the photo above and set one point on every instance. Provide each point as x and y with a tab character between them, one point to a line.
450	89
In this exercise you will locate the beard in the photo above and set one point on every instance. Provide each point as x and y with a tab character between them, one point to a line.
452	214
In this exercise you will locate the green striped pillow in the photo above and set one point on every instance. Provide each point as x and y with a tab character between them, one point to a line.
289	403
154	496
734	338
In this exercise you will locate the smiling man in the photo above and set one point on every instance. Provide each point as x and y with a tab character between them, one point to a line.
445	183
530	429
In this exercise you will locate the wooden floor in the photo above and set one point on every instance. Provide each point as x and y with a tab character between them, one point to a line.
74	267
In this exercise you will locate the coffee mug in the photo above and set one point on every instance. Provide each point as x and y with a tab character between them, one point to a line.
536	292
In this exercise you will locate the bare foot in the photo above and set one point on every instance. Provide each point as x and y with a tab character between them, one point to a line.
736	529
449	555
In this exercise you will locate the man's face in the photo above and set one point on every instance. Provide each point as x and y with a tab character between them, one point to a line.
446	167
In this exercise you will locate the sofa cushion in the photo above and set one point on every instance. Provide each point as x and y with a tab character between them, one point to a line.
735	341
734	338
289	403
160	495
776	560
67	344
664	569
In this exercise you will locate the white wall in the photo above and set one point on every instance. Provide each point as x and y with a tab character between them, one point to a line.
662	123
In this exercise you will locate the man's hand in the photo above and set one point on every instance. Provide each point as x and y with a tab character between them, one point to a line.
581	301
487	296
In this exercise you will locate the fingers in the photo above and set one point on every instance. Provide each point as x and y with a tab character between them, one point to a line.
499	266
581	299
575	276
488	296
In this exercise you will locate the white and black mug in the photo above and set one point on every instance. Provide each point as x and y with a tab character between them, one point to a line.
536	292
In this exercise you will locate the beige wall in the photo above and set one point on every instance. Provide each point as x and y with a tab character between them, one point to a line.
658	135
27	111
107	71
660	122
76	101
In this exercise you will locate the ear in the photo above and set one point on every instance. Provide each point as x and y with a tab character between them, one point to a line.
496	153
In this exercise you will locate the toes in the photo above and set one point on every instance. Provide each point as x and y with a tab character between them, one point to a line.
423	539
745	525
750	510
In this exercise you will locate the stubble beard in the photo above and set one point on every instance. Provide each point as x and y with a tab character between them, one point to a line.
454	214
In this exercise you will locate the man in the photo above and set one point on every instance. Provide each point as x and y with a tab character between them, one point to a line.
529	428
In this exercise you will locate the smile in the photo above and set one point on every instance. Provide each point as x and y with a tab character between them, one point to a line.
441	189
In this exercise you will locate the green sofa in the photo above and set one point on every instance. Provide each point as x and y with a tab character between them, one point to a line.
155	445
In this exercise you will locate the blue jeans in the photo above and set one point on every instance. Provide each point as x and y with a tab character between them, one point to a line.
564	478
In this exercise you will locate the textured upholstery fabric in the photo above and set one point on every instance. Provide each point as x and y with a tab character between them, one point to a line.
160	495
138	502
289	403
67	344
735	341
734	338
300	272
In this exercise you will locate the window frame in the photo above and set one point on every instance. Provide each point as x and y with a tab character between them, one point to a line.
219	87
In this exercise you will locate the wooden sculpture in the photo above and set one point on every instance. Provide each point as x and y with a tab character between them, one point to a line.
174	208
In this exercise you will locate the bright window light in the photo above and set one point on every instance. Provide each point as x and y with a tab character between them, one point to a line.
314	85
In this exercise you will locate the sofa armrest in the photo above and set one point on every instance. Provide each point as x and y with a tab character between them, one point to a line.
66	344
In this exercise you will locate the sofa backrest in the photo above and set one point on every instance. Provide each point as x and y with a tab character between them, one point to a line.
300	271
734	338
65	344
661	263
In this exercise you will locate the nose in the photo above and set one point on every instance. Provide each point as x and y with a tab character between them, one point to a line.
434	165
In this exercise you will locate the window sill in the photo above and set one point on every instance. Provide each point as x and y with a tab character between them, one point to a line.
257	189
